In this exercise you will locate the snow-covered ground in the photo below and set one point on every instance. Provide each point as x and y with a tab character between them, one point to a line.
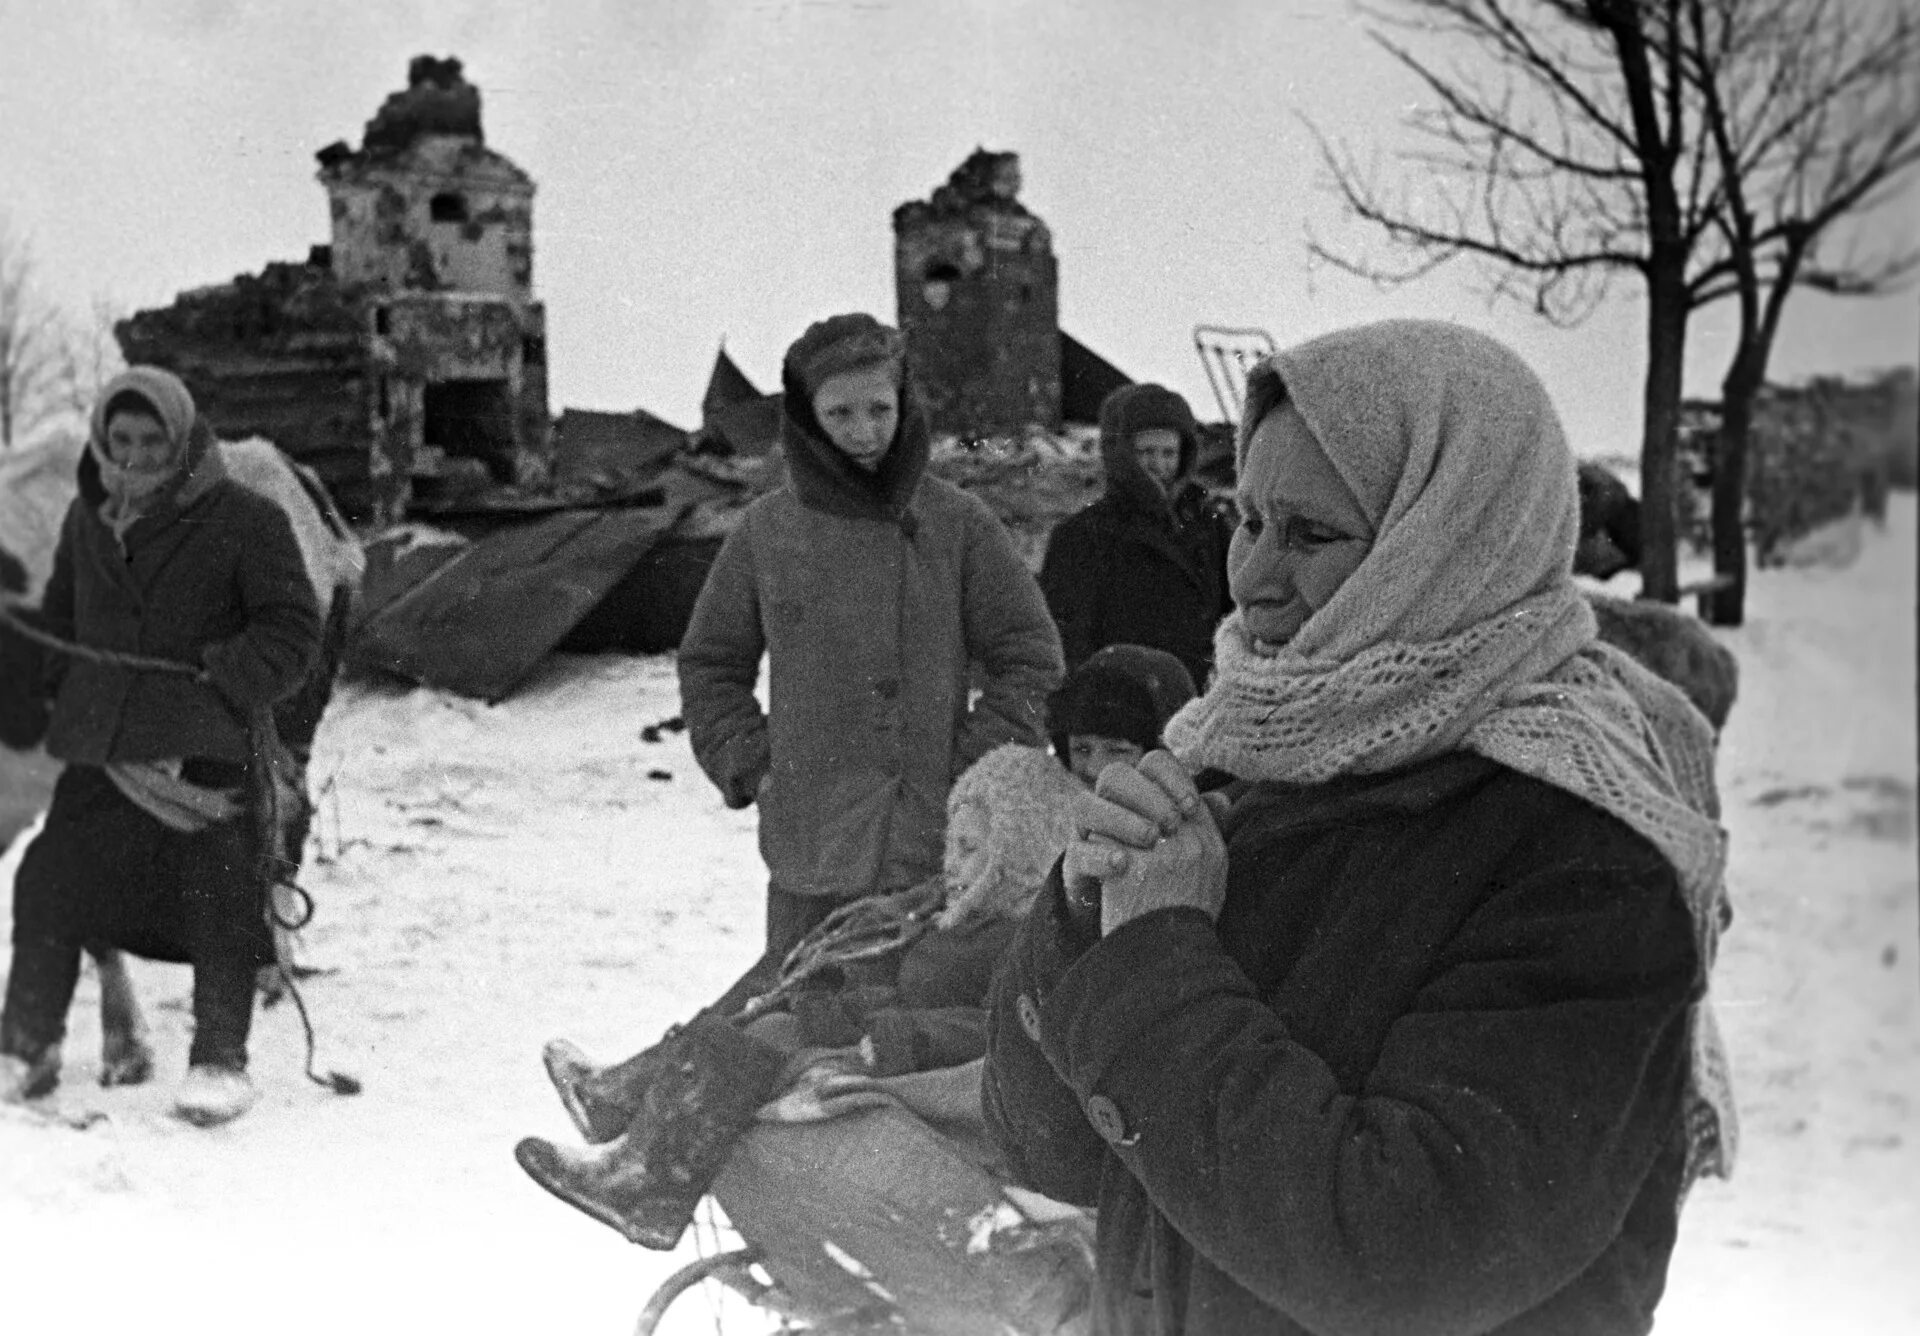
490	877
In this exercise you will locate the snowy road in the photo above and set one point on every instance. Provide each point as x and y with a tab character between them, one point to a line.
490	877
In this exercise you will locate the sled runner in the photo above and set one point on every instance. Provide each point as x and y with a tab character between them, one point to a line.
873	1221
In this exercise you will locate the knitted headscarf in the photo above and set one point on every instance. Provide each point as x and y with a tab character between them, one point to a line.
162	395
1462	628
1024	801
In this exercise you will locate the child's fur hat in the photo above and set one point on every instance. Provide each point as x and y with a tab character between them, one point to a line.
1022	800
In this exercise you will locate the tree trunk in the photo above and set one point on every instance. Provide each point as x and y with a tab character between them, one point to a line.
1728	606
1666	346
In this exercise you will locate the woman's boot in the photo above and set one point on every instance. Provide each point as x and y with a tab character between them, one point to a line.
710	1081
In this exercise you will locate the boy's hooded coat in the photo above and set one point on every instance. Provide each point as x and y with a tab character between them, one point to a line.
871	594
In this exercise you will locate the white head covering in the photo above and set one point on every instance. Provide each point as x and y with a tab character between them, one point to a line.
1462	629
1024	798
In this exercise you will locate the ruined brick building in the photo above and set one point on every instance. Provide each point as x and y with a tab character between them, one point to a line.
407	357
979	299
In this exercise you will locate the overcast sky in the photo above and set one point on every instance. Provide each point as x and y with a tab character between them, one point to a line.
728	168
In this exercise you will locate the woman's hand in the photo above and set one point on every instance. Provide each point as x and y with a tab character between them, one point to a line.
1148	840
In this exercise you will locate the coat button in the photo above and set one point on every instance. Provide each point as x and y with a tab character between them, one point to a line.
1108	1121
887	687
1029	1017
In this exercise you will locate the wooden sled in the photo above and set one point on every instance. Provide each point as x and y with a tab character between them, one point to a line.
873	1222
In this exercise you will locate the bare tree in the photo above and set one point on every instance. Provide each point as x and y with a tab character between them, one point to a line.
89	357
1558	152
1704	146
32	343
1812	108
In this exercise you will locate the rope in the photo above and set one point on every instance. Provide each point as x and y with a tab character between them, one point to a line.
10	617
861	930
338	1082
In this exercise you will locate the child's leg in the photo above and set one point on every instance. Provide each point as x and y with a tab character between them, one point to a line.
125	1057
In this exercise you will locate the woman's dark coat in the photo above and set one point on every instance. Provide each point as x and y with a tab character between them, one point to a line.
1424	1076
1140	566
212	578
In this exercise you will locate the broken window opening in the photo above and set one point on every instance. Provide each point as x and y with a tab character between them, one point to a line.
382	320
472	419
448	207
937	286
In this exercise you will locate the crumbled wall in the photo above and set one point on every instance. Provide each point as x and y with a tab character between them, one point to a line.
427	283
280	354
977	289
384	231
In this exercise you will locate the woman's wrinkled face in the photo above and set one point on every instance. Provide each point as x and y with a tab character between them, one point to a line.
1158	451
860	411
1090	753
1302	531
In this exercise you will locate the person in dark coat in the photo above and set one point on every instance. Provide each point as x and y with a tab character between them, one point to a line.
1146	563
150	844
1408	1029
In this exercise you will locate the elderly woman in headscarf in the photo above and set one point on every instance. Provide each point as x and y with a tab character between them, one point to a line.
1408	1030
149	844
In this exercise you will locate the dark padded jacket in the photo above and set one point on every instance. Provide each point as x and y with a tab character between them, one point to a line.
1424	1076
875	598
1138	566
212	579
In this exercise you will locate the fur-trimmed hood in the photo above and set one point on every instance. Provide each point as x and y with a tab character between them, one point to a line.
1126	412
1009	818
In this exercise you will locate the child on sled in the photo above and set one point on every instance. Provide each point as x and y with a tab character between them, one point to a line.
661	1124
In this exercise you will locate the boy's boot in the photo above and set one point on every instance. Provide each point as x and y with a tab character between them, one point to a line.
602	1100
710	1081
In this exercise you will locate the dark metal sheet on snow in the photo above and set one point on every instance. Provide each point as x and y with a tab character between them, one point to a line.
479	623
